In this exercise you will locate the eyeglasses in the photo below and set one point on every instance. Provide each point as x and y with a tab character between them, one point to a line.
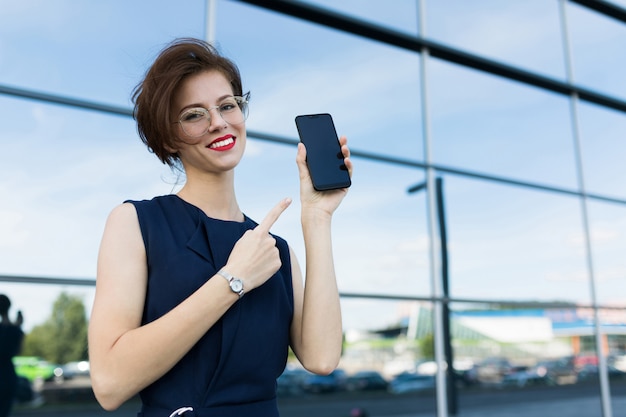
197	120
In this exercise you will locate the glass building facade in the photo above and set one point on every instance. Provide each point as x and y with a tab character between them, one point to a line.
486	224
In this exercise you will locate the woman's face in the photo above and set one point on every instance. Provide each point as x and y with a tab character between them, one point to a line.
221	147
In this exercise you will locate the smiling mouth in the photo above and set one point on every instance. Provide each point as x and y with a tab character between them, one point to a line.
222	144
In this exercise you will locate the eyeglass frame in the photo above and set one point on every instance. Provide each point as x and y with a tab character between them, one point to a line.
242	103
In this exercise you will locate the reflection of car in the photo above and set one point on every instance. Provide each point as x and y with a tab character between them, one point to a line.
591	372
583	360
411	382
290	382
75	369
493	370
618	362
366	380
34	368
522	376
335	381
560	371
24	392
550	372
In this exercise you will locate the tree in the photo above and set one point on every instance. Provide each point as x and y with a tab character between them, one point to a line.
63	337
427	346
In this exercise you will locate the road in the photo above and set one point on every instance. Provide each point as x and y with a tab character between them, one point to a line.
580	400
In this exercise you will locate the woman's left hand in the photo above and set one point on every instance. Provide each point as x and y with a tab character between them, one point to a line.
323	202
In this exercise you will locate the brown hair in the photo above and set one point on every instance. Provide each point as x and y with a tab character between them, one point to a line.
153	96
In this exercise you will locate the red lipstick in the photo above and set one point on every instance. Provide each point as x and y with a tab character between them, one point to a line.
223	143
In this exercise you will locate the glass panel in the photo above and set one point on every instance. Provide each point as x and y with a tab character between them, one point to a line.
380	238
607	223
401	16
94	51
490	125
384	238
53	354
501	31
36	301
384	370
370	89
68	169
524	361
596	40
603	147
511	243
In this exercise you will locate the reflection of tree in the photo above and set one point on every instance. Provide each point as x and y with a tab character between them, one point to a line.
427	346
63	337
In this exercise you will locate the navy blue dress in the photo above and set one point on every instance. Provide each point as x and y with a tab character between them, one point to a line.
232	370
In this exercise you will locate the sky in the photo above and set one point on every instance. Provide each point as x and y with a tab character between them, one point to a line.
65	168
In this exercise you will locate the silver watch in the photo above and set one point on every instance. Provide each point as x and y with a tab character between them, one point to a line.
236	285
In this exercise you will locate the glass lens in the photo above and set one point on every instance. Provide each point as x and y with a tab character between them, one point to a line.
231	112
195	122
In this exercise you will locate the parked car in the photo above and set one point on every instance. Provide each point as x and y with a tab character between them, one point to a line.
366	381
24	392
549	372
35	368
493	370
335	381
618	361
591	372
411	382
560	371
291	381
75	369
521	376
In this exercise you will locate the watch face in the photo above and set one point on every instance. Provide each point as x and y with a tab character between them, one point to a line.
236	285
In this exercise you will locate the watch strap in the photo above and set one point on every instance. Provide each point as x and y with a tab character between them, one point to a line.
228	277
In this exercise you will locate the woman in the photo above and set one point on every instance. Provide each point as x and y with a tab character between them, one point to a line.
196	305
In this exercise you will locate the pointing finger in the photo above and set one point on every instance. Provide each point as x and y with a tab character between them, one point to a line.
273	215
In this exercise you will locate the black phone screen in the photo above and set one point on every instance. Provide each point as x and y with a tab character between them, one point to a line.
323	152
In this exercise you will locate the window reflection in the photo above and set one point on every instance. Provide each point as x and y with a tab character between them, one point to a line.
509	243
478	125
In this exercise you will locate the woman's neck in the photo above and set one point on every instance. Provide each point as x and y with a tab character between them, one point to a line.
216	198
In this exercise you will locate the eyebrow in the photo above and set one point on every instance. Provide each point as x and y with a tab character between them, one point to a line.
191	106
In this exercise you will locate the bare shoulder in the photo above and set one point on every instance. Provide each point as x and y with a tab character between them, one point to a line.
124	212
123	219
122	234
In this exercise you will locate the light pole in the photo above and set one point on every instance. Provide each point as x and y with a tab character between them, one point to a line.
447	338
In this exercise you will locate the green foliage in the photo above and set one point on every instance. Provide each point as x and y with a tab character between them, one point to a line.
63	337
427	346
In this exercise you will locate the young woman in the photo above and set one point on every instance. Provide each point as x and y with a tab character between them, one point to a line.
196	304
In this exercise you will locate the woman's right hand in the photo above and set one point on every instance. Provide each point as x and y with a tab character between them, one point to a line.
255	258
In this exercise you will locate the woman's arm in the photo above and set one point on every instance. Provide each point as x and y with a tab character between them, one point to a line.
316	329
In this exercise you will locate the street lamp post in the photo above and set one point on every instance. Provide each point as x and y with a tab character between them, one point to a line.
447	338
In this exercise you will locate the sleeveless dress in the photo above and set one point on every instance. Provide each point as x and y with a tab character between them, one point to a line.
232	370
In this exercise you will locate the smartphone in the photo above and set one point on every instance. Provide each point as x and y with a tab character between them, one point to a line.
323	152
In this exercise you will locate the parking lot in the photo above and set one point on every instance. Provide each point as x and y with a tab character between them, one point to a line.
573	400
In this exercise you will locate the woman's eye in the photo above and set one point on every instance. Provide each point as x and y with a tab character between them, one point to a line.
193	115
228	106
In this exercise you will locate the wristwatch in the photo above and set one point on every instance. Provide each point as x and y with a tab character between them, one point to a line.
236	285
